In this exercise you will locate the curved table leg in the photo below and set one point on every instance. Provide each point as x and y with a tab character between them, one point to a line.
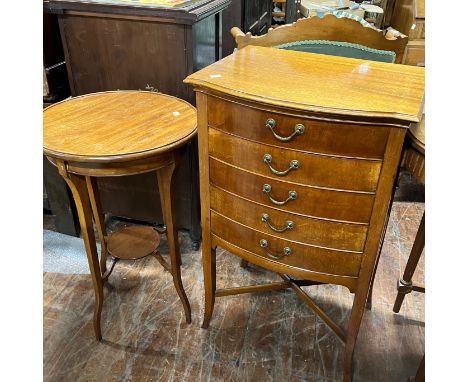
95	200
79	190
166	191
209	272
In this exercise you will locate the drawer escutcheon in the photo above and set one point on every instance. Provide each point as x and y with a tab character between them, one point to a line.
267	190
299	129
288	226
286	250
293	165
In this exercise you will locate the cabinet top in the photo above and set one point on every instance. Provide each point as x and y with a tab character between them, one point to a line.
189	10
317	83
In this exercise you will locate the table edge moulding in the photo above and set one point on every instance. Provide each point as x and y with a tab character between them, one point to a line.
113	124
317	93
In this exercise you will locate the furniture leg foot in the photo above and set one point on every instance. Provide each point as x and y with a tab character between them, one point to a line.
209	271
404	285
99	296
398	302
195	245
183	298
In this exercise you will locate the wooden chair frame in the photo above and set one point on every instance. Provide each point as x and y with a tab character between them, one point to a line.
328	28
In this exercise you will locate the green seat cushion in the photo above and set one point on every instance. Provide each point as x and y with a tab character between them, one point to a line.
342	49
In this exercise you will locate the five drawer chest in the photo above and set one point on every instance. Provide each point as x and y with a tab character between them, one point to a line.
298	154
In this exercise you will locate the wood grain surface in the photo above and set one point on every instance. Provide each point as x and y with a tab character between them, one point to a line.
339	263
318	232
133	242
324	137
316	170
317	83
117	125
343	206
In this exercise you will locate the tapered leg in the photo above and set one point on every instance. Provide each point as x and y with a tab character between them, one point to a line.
95	200
77	184
405	284
166	191
353	330
209	272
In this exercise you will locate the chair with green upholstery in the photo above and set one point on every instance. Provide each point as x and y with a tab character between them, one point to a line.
338	34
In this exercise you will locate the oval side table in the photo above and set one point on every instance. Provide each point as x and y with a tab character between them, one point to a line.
116	134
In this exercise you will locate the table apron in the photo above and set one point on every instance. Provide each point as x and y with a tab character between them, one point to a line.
123	168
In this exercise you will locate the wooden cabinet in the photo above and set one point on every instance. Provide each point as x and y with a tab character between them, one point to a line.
121	45
409	18
297	174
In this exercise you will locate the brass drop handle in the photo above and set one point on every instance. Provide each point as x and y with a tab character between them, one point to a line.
293	165
299	129
288	226
267	190
286	250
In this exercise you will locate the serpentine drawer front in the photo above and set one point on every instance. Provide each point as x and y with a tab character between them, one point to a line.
311	201
275	221
325	137
295	166
296	174
264	245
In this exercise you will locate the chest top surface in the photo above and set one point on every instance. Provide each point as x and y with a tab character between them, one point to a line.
117	125
317	83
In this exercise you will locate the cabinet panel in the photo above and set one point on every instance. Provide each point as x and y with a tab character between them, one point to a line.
110	54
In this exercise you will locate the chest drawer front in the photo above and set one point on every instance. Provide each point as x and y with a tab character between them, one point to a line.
323	137
322	233
295	166
300	256
345	206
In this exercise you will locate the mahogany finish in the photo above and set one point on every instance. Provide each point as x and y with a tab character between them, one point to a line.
320	136
115	134
312	169
135	45
370	92
126	125
134	242
311	201
303	257
320	93
315	231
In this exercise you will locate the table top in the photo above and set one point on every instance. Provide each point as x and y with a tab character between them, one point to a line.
117	126
317	83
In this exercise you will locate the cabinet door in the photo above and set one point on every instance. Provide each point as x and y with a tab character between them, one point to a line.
109	54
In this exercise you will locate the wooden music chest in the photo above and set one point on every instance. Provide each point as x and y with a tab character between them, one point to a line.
297	171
